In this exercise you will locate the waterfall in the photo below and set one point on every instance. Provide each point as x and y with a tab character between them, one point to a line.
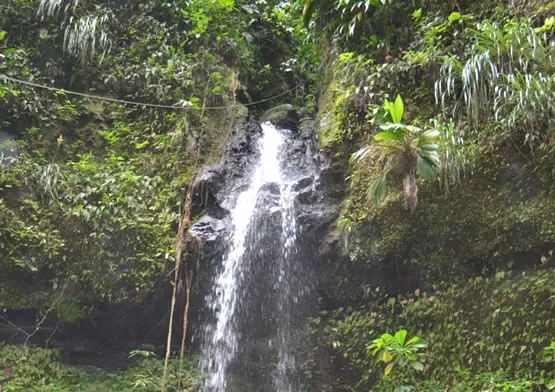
263	279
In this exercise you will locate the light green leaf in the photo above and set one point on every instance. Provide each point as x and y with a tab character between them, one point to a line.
417	366
429	137
382	136
396	109
454	16
401	335
389	368
387	357
142	145
413	340
417	14
2	35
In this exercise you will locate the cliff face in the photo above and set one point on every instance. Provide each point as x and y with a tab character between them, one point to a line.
471	269
91	189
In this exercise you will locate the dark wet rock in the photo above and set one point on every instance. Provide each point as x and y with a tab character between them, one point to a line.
303	183
272	188
210	229
306	128
283	116
332	179
205	193
268	195
318	186
306	196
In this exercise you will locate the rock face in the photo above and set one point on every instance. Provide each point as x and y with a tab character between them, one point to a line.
284	116
317	192
317	198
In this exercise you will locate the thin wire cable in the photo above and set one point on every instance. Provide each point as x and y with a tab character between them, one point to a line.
125	102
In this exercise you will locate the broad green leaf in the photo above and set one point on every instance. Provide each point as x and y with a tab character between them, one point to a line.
389	368
2	35
432	157
417	366
429	137
454	16
429	147
400	336
425	169
413	340
385	135
387	357
381	116
396	109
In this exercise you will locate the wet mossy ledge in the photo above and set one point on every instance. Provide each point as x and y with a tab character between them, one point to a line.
471	269
284	116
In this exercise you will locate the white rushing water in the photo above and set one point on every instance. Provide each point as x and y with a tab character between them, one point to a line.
221	343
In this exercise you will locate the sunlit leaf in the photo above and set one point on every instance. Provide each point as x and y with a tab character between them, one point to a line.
389	368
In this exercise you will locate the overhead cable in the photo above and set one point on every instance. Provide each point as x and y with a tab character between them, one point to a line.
125	102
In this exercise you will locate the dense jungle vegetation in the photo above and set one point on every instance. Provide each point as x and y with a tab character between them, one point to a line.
440	112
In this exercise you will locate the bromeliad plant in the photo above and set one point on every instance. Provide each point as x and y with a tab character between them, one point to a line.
406	149
396	351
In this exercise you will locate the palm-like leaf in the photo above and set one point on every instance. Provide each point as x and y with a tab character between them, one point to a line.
377	191
53	8
509	74
427	165
360	154
408	149
308	10
389	136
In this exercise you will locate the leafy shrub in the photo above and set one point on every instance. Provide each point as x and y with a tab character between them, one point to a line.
31	369
485	332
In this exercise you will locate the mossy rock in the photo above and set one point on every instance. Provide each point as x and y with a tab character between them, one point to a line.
284	116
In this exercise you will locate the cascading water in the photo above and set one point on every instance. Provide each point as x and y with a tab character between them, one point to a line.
261	286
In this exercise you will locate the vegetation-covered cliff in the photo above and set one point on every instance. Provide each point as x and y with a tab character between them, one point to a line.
439	113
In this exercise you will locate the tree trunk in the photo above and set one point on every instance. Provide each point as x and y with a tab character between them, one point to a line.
411	191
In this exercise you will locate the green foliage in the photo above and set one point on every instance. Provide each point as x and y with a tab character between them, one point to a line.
396	351
508	72
456	156
95	193
489	66
407	149
486	331
80	38
345	20
33	369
